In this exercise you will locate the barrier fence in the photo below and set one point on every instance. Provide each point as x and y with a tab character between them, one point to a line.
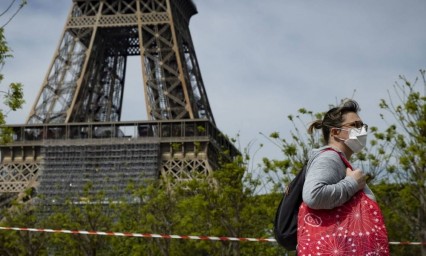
127	234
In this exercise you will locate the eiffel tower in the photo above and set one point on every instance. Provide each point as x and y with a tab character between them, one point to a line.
74	133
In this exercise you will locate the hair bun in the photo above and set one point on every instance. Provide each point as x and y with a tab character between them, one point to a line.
317	124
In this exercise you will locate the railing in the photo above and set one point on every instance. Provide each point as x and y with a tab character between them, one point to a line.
163	130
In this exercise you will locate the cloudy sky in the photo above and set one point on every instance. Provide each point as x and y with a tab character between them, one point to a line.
261	60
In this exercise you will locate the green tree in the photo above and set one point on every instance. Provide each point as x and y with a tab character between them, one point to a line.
22	214
397	160
227	205
397	206
407	139
405	148
295	149
150	210
224	204
13	97
92	213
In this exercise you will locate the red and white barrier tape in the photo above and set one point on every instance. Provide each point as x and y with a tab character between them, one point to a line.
213	238
100	233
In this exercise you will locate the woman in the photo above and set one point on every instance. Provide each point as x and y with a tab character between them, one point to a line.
329	186
329	183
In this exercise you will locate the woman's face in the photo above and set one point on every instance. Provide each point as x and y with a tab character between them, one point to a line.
350	120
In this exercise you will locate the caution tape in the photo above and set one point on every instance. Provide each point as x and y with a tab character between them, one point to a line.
407	243
100	233
127	234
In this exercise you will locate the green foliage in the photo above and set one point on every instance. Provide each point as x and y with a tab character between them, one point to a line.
407	139
201	129
197	146
150	211
176	146
4	49
21	243
6	133
13	98
394	160
227	203
397	206
295	150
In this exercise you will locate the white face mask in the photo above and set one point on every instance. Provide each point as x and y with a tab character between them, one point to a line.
357	139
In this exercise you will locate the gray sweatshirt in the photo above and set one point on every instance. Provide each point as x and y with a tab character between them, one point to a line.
326	185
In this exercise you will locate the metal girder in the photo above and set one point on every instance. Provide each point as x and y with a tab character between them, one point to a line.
186	168
60	153
81	98
16	177
86	79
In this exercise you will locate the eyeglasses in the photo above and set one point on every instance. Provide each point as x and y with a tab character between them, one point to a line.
357	124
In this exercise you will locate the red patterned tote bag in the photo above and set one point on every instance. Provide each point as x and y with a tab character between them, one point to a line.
354	228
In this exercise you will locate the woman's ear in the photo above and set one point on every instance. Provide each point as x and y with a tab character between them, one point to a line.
334	131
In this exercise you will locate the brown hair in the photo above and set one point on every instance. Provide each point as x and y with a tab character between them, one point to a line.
334	118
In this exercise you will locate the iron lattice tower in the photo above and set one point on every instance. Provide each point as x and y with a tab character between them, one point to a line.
74	131
86	78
